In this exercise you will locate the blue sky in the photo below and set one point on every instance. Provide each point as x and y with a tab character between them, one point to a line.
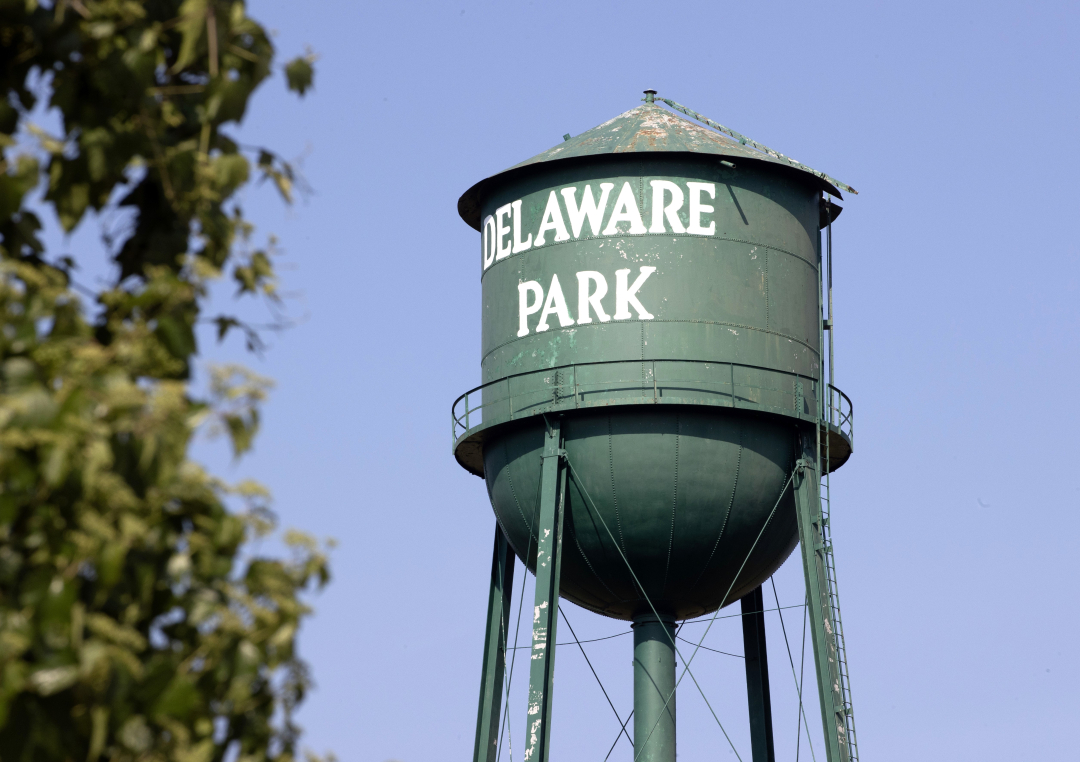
956	522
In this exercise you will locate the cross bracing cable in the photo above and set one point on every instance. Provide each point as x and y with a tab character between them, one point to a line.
704	620
572	642
715	651
675	646
505	725
602	688
686	665
802	664
681	624
623	729
503	634
798	686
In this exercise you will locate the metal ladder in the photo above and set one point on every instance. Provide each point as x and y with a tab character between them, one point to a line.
834	595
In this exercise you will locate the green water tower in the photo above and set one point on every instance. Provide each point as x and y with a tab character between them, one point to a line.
656	420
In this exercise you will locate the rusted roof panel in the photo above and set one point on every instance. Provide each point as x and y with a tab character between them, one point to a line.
645	129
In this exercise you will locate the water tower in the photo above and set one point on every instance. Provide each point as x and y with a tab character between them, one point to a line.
656	419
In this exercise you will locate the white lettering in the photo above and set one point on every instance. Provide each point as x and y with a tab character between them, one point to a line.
524	308
488	241
626	210
585	299
555	304
552	221
697	208
625	297
502	232
589	207
519	245
671	211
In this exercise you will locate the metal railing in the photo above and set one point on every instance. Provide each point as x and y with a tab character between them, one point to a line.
839	412
645	381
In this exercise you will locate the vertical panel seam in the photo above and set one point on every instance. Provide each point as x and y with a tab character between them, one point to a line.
766	288
585	558
614	497
510	481
727	516
674	500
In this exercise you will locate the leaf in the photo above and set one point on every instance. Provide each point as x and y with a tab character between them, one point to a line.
230	172
192	26
99	720
177	335
200	752
49	681
300	74
14	185
135	735
178	699
9	117
56	466
71	201
102	29
224	324
111	563
109	629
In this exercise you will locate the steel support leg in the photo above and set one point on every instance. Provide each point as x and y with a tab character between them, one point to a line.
808	507
757	676
491	674
546	608
654	681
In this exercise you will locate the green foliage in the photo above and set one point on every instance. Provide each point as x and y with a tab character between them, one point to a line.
300	73
137	622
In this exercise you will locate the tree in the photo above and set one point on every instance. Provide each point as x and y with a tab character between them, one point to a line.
136	620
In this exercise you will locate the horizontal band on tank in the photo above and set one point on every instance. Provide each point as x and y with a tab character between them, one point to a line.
725	239
470	202
655	321
591	386
468	448
677	382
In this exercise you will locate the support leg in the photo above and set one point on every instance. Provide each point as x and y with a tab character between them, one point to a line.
808	508
491	674
546	608
654	681
757	676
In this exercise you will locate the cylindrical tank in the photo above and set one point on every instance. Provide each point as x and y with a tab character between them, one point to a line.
656	286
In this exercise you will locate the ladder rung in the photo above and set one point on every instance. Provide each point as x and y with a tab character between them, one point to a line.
822	526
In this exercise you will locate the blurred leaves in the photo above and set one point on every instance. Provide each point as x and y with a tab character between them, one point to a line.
300	73
137	620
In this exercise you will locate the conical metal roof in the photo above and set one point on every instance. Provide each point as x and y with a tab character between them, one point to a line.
645	129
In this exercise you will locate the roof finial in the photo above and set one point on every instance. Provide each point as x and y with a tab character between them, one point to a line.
649	95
